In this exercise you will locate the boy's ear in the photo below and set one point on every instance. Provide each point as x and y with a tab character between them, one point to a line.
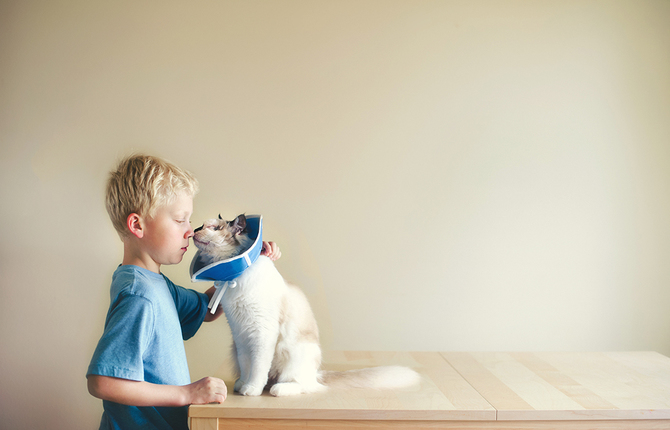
134	222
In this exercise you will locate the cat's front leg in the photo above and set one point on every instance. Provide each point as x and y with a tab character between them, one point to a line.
241	358
258	378
248	384
260	363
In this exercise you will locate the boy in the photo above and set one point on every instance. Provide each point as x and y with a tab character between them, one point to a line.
139	367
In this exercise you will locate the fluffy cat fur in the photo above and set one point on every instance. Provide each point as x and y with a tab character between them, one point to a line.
275	335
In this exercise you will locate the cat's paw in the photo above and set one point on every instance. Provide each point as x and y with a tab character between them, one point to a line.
286	389
238	385
250	390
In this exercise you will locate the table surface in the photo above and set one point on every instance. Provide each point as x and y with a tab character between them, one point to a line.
479	386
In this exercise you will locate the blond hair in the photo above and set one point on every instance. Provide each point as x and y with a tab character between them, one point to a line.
141	184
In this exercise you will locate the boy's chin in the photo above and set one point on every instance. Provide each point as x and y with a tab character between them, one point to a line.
175	260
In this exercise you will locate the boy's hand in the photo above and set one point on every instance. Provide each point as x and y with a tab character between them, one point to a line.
207	390
271	250
141	393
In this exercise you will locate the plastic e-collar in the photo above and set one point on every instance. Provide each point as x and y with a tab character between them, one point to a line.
224	272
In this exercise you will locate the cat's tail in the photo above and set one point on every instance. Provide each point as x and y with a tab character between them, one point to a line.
382	378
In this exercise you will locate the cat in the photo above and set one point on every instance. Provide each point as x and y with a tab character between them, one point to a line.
275	335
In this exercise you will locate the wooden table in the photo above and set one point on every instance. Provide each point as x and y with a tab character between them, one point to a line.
480	390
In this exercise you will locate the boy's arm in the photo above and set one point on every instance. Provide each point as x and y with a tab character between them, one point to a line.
140	393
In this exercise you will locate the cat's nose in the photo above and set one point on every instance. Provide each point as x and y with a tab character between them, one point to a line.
197	229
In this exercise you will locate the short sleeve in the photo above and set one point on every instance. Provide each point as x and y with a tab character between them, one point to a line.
191	307
128	330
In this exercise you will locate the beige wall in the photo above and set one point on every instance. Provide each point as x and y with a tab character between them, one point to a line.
440	175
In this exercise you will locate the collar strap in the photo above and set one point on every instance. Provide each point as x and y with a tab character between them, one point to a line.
221	287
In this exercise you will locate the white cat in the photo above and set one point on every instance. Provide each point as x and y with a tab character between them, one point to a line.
275	335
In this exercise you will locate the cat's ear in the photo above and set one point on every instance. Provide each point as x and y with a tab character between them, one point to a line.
239	224
220	217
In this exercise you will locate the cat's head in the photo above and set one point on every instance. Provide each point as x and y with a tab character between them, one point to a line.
221	239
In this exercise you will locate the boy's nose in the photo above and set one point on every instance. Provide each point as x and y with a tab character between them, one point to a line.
190	232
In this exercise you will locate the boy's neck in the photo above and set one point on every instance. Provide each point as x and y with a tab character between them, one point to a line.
132	255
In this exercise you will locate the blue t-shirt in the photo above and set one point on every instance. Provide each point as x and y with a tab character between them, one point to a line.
148	320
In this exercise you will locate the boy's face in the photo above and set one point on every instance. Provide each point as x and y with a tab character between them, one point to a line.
168	232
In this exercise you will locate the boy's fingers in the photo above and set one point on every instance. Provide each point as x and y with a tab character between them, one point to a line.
221	391
271	250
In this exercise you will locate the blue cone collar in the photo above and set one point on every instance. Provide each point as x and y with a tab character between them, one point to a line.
227	270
